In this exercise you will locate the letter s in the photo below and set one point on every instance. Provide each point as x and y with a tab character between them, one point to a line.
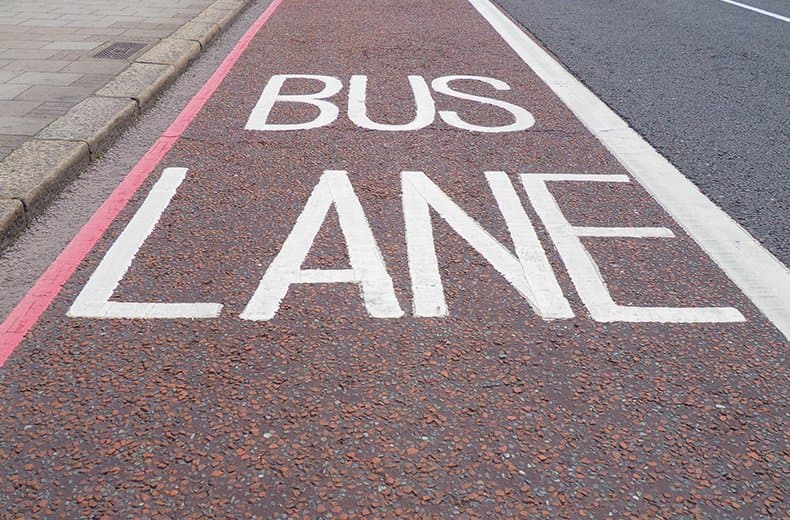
523	118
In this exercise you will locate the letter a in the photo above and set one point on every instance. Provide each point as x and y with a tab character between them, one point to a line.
367	264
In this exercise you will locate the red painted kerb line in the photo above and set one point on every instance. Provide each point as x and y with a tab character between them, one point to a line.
40	296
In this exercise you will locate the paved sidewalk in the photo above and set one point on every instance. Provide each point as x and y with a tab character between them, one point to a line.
53	88
47	48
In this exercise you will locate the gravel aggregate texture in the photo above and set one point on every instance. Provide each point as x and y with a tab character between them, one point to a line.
324	411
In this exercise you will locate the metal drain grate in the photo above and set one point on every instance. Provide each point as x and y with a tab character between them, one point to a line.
119	50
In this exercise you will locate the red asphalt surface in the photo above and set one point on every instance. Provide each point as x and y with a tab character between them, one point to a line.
325	411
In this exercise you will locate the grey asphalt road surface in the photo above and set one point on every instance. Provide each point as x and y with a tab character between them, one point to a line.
705	82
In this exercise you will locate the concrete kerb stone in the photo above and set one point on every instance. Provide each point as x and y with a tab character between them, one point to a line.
36	171
200	32
141	82
172	51
214	16
228	5
97	120
33	174
12	219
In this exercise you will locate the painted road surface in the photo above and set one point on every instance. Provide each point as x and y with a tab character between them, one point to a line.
393	260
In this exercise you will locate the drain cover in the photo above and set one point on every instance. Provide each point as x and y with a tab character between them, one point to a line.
119	50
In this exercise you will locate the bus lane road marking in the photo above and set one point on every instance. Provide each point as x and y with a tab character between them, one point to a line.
763	279
394	260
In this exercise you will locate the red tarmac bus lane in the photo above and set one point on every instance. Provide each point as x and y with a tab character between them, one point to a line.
359	319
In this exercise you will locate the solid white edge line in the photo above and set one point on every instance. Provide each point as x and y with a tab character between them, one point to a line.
757	10
762	278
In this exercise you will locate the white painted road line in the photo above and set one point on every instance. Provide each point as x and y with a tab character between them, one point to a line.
757	10
761	277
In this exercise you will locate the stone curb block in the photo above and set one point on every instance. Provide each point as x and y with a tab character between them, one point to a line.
36	171
96	120
141	82
12	219
197	31
221	17
172	51
33	174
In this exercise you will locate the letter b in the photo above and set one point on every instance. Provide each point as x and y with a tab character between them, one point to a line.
271	95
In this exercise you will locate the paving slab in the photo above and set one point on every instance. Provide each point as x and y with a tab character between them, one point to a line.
96	66
16	108
9	92
53	93
6	75
16	125
45	78
49	65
